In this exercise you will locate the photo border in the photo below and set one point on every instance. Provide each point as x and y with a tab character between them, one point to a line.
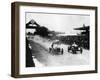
15	35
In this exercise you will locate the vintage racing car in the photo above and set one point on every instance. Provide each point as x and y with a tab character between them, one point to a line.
75	49
56	48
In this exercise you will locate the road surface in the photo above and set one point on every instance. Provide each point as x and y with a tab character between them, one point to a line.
42	57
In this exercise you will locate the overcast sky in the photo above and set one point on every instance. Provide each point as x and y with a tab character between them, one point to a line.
59	22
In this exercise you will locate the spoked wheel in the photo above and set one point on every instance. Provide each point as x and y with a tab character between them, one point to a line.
81	50
49	50
62	51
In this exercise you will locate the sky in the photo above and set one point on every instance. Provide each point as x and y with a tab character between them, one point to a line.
60	22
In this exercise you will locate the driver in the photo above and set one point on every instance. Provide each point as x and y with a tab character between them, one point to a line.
74	44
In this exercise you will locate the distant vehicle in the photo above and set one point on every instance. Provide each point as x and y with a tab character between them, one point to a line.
74	48
56	48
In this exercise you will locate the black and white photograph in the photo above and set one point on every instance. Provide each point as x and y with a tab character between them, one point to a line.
57	39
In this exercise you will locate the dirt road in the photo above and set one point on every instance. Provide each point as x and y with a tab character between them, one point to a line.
44	58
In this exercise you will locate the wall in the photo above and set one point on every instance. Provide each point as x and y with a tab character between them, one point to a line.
5	40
